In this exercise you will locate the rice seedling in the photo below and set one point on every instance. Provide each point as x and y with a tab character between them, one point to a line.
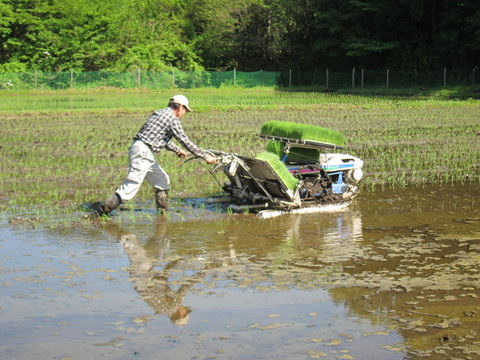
56	154
293	130
302	131
279	167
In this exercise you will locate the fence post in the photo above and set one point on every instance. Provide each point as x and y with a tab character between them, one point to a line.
388	77
71	78
173	77
353	78
327	77
445	76
234	77
290	78
138	78
35	79
362	80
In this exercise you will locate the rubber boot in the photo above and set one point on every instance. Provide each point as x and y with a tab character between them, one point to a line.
111	204
161	200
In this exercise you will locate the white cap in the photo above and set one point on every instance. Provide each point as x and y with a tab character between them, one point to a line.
182	100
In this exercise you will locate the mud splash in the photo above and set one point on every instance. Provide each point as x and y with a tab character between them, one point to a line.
393	277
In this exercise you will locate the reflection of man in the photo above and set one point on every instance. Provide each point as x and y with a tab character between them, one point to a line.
153	284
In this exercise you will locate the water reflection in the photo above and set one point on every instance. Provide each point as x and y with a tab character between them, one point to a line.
419	270
148	280
407	265
393	277
164	267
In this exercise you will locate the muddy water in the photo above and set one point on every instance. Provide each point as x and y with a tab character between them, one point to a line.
395	276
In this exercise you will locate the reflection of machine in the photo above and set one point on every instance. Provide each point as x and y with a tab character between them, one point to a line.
291	183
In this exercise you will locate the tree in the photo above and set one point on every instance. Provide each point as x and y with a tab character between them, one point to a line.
157	35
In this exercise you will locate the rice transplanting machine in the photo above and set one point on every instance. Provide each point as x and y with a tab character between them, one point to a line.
298	172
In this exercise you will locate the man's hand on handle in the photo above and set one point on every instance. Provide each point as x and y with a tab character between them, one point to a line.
210	159
182	153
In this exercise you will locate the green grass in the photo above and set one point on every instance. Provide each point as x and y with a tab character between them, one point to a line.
106	100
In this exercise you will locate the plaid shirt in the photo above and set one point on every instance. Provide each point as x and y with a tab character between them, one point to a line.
160	128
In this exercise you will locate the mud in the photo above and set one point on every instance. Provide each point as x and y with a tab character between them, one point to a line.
394	276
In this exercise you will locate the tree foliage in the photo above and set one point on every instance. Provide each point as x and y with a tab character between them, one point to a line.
157	35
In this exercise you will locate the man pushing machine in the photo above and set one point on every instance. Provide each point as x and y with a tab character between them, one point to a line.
155	134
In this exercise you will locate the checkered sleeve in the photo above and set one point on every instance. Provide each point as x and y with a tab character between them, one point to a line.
172	146
183	139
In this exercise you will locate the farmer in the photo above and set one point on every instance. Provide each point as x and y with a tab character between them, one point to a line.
154	135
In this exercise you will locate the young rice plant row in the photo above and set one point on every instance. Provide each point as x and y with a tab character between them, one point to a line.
58	157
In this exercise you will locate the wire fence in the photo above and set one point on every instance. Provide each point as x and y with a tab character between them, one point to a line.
327	79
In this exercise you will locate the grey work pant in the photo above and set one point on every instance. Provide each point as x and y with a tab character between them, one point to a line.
142	166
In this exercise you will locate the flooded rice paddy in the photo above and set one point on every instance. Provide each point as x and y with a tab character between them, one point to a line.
394	276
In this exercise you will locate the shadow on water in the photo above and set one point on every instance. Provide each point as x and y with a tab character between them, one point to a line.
393	277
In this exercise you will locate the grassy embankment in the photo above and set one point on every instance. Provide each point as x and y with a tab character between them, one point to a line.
63	148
